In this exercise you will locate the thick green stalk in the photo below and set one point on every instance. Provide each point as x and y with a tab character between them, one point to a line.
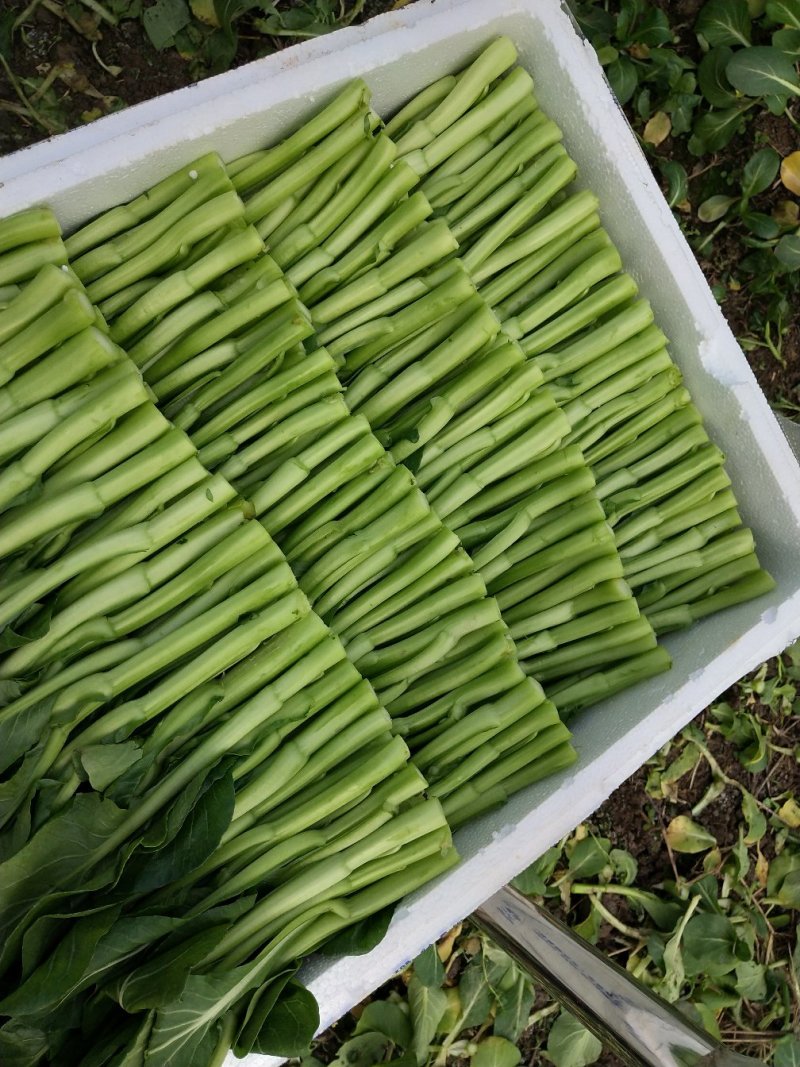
603	596
316	279
617	643
205	219
593	426
685	587
45	289
572	549
586	625
468	87
119	249
698	492
757	584
126	216
604	298
572	695
497	233
179	286
661	408
25	262
707	511
315	161
565	218
528	278
25	227
518	611
596	342
420	105
673	447
354	98
676	553
433	243
624	503
498	102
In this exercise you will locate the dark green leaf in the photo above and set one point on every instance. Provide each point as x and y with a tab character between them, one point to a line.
681	107
533	879
713	80
61	973
19	733
361	937
709	943
570	1044
651	28
763	226
105	763
384	1017
589	857
787	41
787	251
514	1008
475	995
164	19
199	835
290	1025
712	210
427	1006
7	19
363	1051
258	1009
677	180
496	1052
760	171
21	1045
785	12
622	78
751	981
715	129
160	980
428	967
724	22
763	71
787	1052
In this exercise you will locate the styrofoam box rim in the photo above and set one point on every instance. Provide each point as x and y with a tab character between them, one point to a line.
115	158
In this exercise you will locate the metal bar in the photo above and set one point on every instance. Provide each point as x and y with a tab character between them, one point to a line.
638	1026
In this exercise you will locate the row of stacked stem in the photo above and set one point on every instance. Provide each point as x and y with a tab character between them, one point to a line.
315	467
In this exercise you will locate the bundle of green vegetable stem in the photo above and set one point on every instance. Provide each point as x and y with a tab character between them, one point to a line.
391	440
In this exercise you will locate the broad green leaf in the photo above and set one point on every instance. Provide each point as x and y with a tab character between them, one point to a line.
787	41
533	880
427	1006
715	208
365	1050
713	80
754	817
361	937
496	1052
787	251
290	1026
683	833
199	834
760	171
664	913
713	130
20	733
761	71
622	78
57	858
476	997
677	180
384	1017
751	980
785	12
570	1044
105	763
164	19
709	945
258	1008
589	857
428	967
790	172
787	1052
160	979
763	226
62	971
625	866
724	22
514	1008
21	1045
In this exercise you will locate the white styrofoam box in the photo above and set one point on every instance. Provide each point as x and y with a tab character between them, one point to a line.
89	170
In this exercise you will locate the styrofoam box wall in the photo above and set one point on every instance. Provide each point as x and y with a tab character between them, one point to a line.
112	160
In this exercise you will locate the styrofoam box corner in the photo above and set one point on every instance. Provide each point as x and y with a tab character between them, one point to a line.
107	162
